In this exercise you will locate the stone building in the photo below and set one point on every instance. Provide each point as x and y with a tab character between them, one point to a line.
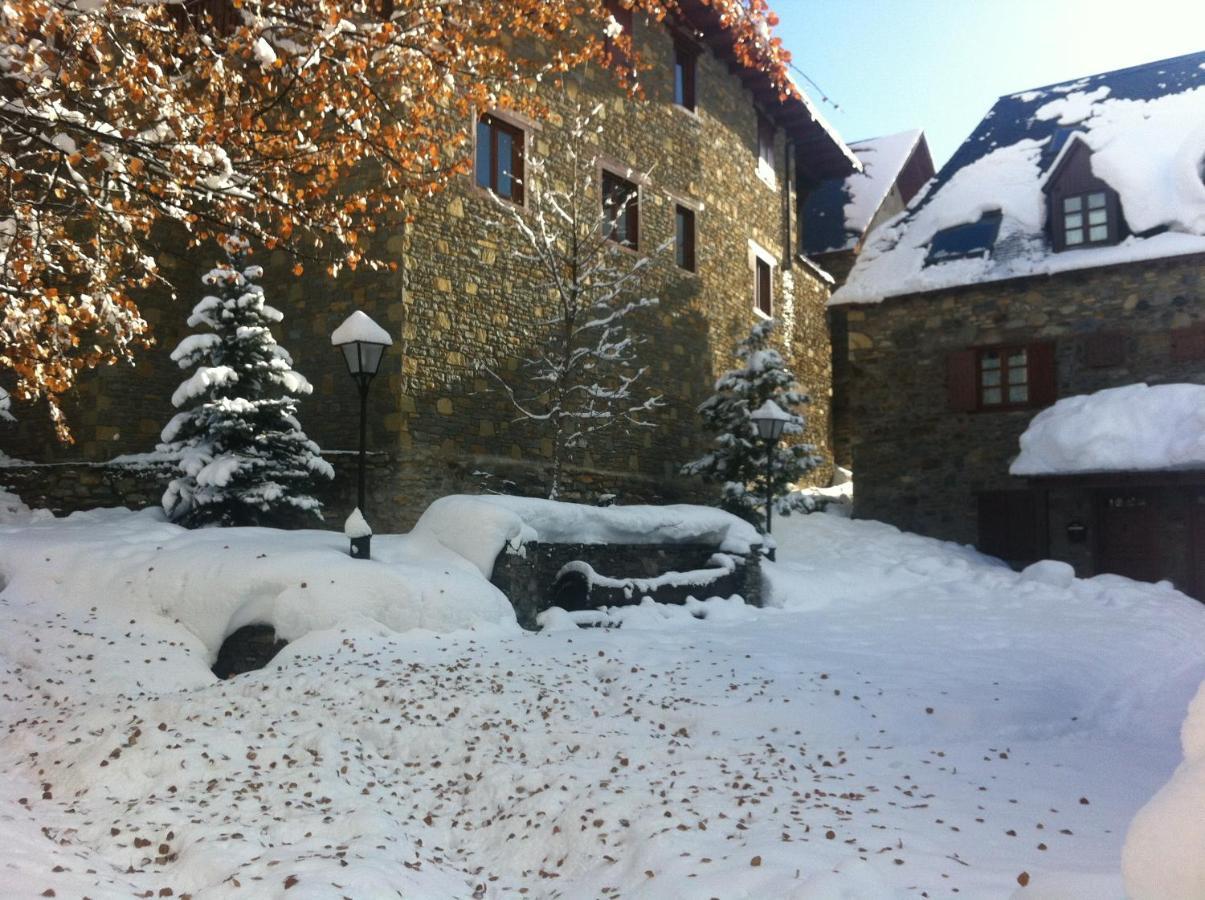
1060	252
711	149
839	215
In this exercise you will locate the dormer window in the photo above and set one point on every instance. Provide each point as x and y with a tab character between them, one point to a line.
1086	219
1084	211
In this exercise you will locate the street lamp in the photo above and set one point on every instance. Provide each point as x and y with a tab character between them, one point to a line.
363	342
770	420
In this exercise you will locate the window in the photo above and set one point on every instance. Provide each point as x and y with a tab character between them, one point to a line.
617	55
1086	219
685	61
763	287
500	158
621	210
1001	377
684	238
765	145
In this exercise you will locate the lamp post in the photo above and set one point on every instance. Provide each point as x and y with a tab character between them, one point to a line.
363	343
770	420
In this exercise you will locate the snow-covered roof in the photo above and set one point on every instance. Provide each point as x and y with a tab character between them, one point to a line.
1145	128
1131	428
838	212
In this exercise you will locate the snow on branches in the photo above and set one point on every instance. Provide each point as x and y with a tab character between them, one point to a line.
243	458
580	373
737	460
305	124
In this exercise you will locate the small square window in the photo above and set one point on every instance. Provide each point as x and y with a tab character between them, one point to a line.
1003	377
684	238
1086	219
621	210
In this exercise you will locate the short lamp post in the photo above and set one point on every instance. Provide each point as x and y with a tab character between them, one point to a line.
769	419
363	343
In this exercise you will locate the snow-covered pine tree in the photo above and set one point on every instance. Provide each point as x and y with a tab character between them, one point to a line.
242	456
737	460
582	375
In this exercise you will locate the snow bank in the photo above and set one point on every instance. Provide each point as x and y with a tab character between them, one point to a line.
214	581
13	511
1164	853
900	728
478	527
1134	427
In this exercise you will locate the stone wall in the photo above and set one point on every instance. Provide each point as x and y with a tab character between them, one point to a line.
529	578
919	465
460	298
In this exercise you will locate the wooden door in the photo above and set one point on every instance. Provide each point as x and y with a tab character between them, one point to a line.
1127	533
1196	587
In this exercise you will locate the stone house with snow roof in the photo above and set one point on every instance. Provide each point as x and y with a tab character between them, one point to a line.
1060	252
714	161
839	214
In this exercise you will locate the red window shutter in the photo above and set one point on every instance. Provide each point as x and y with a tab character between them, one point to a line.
1043	380
1104	350
962	391
1188	344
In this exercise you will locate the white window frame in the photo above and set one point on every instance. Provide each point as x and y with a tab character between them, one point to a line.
758	252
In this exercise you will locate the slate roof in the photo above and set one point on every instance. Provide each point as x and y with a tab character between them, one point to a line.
984	216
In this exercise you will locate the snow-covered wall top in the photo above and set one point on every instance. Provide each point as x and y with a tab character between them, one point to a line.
478	527
1145	127
838	211
1130	428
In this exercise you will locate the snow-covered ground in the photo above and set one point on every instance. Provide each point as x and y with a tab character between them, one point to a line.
913	720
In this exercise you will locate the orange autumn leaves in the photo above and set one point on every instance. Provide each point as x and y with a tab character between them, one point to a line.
306	125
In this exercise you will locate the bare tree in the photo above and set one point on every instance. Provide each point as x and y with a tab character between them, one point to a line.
582	376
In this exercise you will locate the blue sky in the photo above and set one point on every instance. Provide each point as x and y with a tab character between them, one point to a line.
940	64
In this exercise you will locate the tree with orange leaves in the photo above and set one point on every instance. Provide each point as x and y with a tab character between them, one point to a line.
303	124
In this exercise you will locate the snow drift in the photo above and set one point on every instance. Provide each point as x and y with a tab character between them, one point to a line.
1134	427
1164	853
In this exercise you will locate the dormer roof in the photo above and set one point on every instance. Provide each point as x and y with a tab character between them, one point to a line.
1145	128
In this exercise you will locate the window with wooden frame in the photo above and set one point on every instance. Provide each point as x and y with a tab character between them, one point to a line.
1086	220
685	64
1083	210
684	238
763	286
1001	377
765	145
615	48
621	210
499	163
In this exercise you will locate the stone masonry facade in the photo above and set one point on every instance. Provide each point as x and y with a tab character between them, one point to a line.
919	464
460	299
